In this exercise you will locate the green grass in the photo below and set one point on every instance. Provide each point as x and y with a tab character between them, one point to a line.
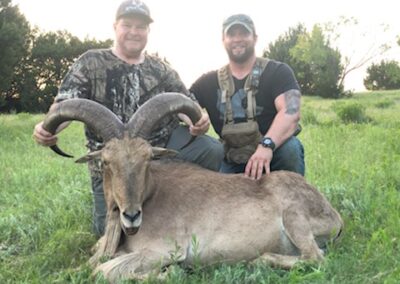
45	201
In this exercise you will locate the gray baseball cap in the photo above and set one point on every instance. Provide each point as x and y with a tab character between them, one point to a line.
239	19
133	7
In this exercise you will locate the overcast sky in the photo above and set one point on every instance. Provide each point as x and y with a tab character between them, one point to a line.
188	32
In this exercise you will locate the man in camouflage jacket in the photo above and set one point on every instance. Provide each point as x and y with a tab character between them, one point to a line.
122	79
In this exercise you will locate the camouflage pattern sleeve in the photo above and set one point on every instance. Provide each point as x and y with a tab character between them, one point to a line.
174	83
76	84
181	85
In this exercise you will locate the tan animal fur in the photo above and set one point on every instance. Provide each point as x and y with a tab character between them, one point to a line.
279	219
161	211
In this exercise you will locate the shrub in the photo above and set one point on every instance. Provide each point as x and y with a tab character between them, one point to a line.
384	104
350	113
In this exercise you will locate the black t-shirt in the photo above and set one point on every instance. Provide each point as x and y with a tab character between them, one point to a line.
276	79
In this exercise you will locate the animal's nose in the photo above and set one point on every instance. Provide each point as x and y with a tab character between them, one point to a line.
132	217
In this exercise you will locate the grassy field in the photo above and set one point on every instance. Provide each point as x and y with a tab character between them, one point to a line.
352	155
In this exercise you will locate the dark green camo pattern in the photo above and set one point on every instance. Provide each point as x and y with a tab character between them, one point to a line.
101	76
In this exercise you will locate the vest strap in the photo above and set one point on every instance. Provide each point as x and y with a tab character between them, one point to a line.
227	86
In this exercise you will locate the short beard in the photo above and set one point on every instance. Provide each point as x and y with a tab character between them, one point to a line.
248	53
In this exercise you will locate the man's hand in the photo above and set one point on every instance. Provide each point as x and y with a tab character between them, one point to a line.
201	127
259	161
42	136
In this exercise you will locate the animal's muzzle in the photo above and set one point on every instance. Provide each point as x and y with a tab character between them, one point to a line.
131	221
131	231
132	217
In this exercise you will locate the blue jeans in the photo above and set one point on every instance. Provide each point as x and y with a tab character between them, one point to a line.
289	156
205	150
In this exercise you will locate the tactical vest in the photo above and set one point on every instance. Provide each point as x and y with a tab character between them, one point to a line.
240	139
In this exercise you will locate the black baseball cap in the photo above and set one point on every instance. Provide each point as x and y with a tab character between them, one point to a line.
133	7
239	19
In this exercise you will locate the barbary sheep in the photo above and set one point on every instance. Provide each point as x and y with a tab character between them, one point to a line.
157	207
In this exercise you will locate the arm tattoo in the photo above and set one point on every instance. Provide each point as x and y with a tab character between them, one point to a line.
292	99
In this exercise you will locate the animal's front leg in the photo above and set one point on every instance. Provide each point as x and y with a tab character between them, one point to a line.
135	265
108	244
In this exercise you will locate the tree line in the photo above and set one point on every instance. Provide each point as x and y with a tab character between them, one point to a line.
33	63
321	69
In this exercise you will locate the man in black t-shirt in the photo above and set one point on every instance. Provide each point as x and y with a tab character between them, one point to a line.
276	103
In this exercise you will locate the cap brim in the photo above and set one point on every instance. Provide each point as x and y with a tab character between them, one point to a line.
136	14
246	26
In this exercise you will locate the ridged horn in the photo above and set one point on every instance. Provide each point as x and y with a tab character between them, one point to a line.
96	116
151	112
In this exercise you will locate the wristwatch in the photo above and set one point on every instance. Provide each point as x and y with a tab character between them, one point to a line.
267	143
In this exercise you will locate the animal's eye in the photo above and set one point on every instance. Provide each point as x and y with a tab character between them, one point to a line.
106	163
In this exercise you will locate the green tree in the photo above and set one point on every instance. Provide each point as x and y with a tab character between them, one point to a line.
280	50
14	44
324	63
316	64
383	76
50	57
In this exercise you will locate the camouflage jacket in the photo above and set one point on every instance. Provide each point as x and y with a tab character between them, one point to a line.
101	76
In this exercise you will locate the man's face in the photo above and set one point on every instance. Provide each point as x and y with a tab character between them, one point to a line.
131	35
239	43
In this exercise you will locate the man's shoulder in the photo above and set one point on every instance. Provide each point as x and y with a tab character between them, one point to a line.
206	81
279	75
206	77
156	62
274	65
97	53
97	57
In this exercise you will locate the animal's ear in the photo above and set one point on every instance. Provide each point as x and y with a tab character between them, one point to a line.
159	152
90	156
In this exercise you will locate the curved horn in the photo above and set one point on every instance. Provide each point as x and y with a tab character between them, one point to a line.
150	113
96	116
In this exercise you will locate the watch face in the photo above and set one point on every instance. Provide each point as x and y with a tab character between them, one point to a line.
268	143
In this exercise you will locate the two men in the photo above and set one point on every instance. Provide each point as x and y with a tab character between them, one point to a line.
124	77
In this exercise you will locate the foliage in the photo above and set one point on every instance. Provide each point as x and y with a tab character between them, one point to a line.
324	63
14	43
33	63
319	66
51	55
315	63
45	202
383	76
350	112
308	117
280	50
385	103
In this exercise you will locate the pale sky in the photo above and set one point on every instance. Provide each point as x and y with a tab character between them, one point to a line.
188	32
